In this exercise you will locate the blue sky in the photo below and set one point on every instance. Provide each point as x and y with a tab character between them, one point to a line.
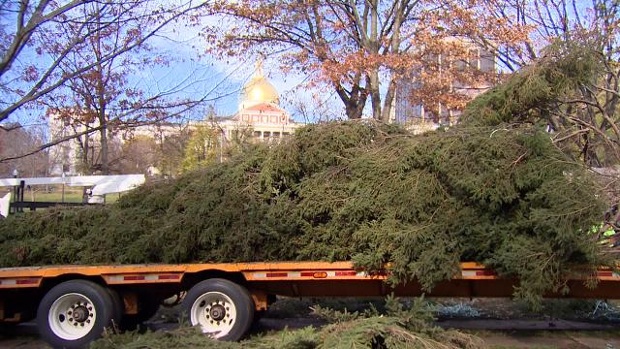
184	43
200	75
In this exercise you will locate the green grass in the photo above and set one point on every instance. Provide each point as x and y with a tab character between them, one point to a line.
69	196
58	195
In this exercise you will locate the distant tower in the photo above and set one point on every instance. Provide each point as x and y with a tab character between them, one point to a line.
64	155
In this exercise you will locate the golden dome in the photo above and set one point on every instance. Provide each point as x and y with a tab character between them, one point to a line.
258	90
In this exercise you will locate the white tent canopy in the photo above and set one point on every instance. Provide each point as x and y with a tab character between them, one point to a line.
4	205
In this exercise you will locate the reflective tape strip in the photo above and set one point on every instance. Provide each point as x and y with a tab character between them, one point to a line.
133	278
19	282
346	273
27	281
607	273
278	274
318	274
169	276
482	272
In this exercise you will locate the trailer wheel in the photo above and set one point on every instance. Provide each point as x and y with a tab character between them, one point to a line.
118	306
74	313
223	309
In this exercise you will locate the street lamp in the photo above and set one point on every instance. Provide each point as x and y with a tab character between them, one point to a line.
63	186
15	192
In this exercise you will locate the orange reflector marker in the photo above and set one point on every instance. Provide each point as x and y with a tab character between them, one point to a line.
169	277
277	275
346	273
319	275
133	277
27	281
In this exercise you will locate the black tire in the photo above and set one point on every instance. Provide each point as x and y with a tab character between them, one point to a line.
74	313
222	308
119	308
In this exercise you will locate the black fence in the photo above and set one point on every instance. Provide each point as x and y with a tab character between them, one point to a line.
19	204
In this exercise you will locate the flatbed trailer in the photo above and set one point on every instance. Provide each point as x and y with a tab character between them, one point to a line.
73	304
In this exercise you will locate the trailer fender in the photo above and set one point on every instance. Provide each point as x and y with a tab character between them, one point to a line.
223	309
74	313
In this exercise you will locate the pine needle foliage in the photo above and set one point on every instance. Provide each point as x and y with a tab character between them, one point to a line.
535	93
182	337
398	327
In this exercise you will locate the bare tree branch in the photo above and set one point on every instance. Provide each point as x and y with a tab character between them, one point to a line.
51	78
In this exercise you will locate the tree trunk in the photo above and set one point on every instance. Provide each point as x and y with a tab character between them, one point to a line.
375	94
388	103
354	101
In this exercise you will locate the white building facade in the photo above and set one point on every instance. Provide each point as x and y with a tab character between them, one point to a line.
259	115
426	117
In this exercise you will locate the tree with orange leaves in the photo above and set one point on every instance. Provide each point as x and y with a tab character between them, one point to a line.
101	101
361	49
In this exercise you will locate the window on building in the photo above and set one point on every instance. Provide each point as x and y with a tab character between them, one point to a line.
474	58
461	64
487	62
266	134
257	133
276	134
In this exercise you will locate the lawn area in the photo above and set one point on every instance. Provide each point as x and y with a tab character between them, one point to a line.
53	194
68	196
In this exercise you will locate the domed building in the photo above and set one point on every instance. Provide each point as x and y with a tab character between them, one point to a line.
258	91
259	112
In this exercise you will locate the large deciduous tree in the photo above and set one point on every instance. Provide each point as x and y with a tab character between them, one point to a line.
171	151
102	100
159	152
359	48
13	139
74	58
203	147
139	155
34	46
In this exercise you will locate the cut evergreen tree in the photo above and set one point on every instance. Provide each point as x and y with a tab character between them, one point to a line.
495	191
